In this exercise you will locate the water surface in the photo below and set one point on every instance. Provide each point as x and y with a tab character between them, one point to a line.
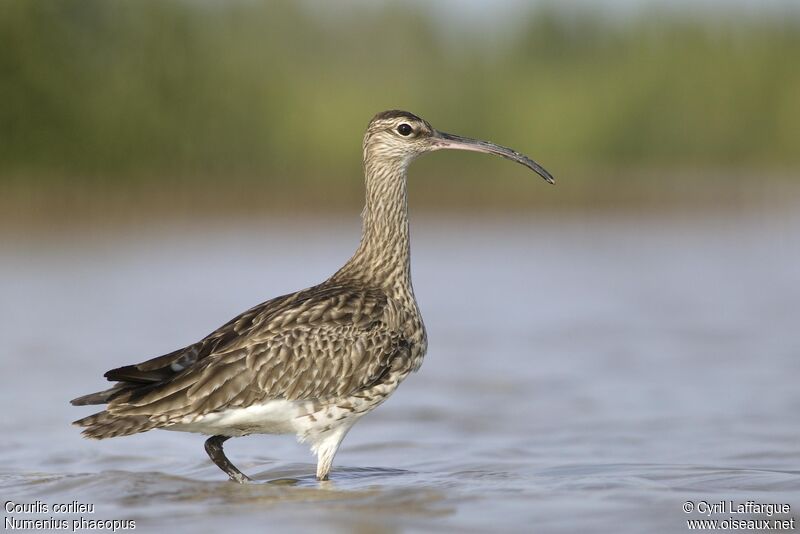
592	373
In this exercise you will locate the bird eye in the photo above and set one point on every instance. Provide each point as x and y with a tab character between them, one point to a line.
405	129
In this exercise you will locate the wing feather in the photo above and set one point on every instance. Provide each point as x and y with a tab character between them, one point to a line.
324	342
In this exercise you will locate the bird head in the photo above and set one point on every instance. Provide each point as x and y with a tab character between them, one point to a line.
399	136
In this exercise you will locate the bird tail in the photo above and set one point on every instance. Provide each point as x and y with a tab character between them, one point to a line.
104	425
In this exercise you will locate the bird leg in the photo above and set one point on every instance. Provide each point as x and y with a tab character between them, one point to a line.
214	450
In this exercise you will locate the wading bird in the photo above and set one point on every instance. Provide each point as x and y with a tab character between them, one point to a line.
311	363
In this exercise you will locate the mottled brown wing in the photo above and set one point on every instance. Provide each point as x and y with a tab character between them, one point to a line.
328	341
142	377
163	368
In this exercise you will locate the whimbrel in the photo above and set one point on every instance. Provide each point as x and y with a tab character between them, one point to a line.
311	363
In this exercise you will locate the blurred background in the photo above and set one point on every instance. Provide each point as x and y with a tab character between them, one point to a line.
601	350
176	107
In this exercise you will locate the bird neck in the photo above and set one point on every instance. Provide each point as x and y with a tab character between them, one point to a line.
383	257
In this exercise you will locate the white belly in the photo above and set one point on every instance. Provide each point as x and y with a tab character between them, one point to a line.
308	420
271	417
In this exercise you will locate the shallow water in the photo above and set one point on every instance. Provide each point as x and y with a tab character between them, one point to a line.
590	373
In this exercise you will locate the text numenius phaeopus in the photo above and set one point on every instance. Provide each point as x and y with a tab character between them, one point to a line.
311	363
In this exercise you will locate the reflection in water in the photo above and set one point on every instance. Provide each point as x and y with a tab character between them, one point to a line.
581	375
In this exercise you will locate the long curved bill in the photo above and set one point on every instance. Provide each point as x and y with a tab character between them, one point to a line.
445	140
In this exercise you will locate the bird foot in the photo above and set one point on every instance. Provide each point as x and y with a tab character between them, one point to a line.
240	478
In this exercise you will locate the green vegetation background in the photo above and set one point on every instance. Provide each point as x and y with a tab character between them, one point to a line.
174	104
